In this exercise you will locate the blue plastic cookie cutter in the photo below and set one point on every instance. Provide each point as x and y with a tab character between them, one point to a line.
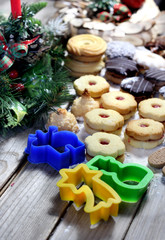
59	149
129	180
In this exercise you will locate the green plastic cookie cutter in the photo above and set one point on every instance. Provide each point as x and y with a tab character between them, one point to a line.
129	180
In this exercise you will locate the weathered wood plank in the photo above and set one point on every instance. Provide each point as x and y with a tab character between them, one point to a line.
11	154
149	221
76	225
31	206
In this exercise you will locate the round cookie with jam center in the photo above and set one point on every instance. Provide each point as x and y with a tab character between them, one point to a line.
103	120
153	108
105	144
124	103
144	133
95	85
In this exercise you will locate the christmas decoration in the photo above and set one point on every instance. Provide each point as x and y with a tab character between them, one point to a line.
16	8
133	4
33	78
109	10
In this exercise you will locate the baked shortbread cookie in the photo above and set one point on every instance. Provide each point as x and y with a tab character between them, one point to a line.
124	103
83	104
86	47
103	120
64	120
95	85
144	133
105	144
153	108
78	69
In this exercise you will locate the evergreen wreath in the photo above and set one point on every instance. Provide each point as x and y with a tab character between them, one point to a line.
33	78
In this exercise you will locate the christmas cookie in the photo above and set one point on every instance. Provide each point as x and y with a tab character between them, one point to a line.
144	133
103	120
120	49
157	159
95	85
63	120
138	87
83	104
119	68
78	69
105	144
153	108
86	47
156	77
124	103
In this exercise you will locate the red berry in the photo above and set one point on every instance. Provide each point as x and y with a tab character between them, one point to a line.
13	74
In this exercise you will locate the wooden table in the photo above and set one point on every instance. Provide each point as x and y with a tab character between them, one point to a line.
31	208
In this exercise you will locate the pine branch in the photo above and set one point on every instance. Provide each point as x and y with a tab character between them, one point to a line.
36	7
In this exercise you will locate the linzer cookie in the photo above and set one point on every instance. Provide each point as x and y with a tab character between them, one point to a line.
153	108
156	76
103	120
95	85
157	159
144	133
124	103
105	144
119	68
138	87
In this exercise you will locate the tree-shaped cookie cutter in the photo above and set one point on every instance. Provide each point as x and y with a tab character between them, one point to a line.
86	193
59	149
129	180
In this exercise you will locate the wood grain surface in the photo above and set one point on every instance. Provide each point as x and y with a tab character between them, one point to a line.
31	208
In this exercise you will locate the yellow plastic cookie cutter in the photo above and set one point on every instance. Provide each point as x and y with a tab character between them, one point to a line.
94	187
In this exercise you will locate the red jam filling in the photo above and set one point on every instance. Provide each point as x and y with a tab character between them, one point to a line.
103	142
92	83
120	98
156	106
103	115
143	125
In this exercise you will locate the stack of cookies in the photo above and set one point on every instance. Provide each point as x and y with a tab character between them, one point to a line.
85	54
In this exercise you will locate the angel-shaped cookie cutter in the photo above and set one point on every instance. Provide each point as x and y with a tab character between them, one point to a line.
129	180
85	194
59	149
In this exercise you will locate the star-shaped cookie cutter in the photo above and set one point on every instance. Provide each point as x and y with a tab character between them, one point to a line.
59	149
121	176
85	194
